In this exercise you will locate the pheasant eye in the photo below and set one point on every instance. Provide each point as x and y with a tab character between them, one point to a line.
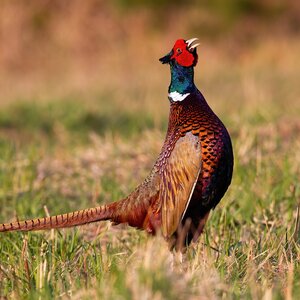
178	50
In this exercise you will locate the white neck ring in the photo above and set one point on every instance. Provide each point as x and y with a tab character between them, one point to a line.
175	96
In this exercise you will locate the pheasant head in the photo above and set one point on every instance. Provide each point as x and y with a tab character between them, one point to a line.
183	53
182	59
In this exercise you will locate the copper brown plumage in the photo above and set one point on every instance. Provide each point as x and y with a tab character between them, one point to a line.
189	178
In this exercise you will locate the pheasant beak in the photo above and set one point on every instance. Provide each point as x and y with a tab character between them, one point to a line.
192	44
167	58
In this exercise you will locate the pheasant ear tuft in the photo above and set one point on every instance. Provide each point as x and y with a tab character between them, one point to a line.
192	43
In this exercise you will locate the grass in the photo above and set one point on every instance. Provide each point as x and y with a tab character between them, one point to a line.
68	154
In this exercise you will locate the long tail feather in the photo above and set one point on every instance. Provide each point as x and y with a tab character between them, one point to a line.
75	218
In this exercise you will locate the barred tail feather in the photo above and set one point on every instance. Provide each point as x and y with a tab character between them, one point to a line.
75	218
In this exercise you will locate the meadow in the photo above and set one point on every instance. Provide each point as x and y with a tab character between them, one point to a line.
90	134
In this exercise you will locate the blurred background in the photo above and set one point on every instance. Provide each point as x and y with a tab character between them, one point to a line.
90	50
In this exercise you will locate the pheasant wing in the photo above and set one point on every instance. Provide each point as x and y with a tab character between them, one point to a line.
179	177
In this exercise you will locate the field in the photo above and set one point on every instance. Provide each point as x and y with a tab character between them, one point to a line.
89	136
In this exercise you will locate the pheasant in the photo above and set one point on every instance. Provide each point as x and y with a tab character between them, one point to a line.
189	178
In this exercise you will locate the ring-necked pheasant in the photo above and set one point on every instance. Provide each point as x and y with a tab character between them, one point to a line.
189	178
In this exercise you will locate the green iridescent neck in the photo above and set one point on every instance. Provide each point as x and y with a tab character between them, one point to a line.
182	79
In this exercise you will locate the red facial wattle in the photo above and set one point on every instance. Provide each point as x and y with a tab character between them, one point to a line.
182	55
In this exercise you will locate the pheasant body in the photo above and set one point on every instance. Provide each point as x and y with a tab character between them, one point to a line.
189	178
